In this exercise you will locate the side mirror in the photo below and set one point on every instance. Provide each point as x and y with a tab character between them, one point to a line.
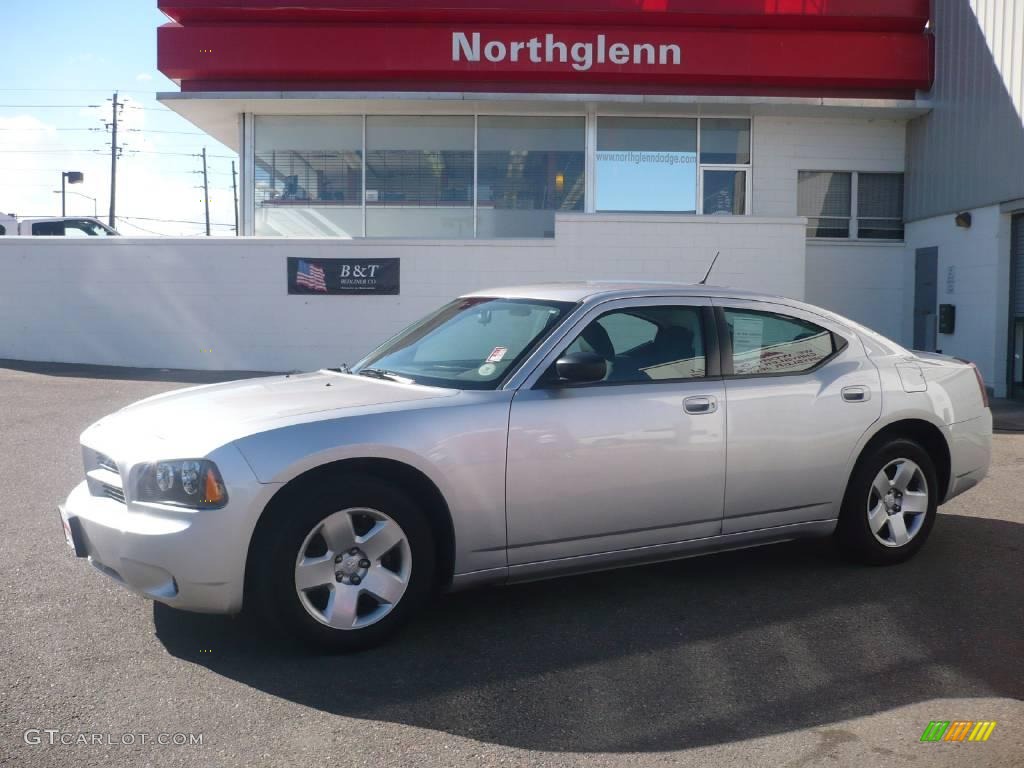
581	368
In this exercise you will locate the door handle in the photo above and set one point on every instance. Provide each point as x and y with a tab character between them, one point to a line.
857	394
700	404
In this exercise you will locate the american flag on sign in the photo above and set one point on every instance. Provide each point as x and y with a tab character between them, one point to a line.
311	276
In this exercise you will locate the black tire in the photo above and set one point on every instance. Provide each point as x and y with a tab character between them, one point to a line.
856	540
276	549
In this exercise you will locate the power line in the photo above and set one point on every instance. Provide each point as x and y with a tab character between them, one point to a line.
51	106
142	229
71	90
174	221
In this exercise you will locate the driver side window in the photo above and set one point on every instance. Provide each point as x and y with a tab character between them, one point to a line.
644	344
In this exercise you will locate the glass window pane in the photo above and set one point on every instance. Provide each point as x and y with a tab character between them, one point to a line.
825	198
724	141
764	343
643	344
880	195
419	177
880	229
880	206
529	168
646	164
309	176
725	192
818	227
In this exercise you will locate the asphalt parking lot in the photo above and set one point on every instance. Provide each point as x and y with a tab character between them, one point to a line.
778	656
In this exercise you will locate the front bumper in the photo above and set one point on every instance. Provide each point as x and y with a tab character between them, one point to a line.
193	560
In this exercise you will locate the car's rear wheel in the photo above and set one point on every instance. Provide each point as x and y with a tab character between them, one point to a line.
346	564
890	504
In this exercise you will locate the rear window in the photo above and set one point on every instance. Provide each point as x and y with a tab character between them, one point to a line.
766	343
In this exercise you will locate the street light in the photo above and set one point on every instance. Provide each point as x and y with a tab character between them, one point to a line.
95	214
70	177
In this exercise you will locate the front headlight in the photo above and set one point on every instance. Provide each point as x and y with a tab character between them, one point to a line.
194	483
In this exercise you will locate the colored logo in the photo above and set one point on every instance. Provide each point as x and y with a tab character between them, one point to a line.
958	730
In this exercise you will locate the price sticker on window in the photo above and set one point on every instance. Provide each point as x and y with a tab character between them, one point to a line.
497	355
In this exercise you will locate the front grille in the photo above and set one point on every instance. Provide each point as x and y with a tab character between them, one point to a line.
105	462
113	492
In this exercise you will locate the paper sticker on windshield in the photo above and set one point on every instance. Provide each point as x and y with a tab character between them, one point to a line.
486	369
497	355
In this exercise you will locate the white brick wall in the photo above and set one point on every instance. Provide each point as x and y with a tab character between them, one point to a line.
785	145
160	303
980	258
867	282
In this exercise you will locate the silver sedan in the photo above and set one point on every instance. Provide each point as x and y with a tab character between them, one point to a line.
524	433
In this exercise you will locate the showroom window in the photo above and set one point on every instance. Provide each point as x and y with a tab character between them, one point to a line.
766	343
852	205
419	177
679	165
491	176
529	169
646	164
309	176
724	166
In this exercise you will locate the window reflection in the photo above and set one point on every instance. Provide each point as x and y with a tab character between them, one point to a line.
724	141
309	176
419	176
529	168
725	192
646	164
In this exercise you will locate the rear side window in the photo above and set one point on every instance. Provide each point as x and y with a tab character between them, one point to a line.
48	228
3	229
765	343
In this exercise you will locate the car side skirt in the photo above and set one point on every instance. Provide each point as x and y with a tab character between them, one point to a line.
603	561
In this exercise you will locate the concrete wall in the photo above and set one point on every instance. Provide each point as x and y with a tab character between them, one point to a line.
223	304
980	259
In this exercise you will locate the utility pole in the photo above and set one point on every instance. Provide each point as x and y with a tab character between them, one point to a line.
234	188
113	163
206	193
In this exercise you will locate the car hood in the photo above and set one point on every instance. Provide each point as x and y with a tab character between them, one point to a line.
205	417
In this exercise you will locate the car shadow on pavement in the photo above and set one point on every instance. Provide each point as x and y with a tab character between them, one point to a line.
665	657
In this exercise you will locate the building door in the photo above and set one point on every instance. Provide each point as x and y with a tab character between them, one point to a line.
1016	366
926	298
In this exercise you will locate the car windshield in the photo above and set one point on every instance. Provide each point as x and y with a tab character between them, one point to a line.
472	343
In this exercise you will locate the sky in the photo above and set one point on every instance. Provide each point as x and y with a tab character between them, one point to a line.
62	60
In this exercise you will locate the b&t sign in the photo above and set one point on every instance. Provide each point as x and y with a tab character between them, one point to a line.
324	277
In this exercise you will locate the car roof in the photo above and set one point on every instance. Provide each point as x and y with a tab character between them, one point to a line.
588	290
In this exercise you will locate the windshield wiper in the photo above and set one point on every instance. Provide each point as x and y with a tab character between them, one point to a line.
379	373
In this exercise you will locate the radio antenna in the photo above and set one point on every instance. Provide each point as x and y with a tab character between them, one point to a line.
705	280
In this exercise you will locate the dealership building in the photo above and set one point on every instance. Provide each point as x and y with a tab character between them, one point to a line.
864	155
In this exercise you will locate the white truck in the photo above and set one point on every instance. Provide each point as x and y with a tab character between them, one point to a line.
59	226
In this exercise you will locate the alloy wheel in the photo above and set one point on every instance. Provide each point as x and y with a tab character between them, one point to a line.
353	568
897	503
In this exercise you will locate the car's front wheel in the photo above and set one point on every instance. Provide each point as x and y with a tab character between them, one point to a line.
890	504
346	564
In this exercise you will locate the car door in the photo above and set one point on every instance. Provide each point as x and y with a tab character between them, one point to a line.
635	460
800	392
